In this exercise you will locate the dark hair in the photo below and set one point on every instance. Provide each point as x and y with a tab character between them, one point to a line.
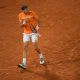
24	7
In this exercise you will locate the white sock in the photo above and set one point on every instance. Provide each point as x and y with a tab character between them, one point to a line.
41	55
24	61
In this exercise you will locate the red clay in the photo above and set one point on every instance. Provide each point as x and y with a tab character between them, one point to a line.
60	41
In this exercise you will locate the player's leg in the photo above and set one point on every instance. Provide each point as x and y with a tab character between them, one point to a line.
35	43
25	50
26	39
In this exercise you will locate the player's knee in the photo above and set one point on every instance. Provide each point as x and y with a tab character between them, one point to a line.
25	46
37	49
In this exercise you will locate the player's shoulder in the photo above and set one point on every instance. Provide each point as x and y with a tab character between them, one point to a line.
33	12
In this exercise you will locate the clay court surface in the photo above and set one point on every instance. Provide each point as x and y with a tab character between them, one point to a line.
59	41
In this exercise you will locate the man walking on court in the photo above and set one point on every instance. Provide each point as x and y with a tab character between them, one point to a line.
29	21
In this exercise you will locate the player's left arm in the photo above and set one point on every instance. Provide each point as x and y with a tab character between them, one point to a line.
37	21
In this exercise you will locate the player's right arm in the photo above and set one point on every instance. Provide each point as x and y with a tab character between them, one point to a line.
22	21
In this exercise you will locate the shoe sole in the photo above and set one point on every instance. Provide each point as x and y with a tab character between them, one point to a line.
21	66
41	63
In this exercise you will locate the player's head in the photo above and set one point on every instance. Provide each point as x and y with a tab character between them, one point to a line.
25	8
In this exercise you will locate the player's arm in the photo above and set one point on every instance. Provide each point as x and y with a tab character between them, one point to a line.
38	23
23	23
35	29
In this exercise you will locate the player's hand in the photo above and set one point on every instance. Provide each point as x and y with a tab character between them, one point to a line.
24	21
37	27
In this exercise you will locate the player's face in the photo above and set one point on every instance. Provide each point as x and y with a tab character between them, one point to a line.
26	10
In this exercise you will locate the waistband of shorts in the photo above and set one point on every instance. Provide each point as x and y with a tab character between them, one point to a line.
29	33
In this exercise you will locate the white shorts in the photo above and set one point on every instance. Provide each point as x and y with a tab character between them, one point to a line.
28	37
